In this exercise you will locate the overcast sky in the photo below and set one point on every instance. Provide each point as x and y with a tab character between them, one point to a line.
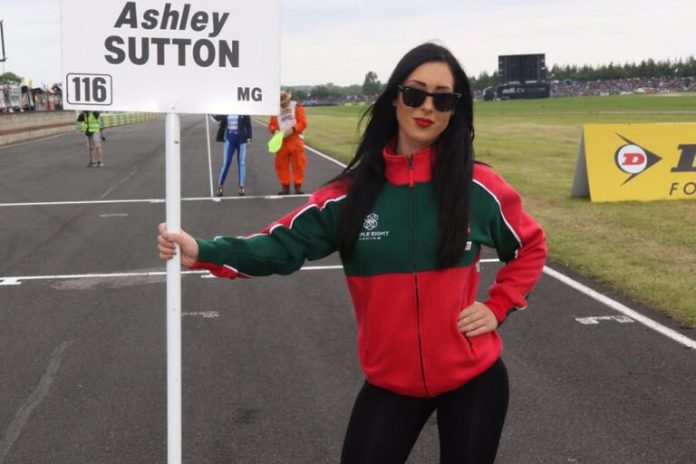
339	41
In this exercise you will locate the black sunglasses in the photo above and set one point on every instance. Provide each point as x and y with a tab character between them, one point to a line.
442	101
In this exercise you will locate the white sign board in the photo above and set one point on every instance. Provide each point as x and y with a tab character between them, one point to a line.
195	56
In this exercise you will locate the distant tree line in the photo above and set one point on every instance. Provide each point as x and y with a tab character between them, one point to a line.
646	68
327	91
370	87
9	78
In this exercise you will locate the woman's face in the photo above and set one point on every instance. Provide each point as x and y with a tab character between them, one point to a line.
419	127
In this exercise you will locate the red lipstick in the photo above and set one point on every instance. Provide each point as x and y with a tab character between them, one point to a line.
422	122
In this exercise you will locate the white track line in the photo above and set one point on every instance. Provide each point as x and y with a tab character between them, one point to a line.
323	155
666	331
16	280
152	200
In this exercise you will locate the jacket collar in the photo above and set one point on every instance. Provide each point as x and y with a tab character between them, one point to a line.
398	171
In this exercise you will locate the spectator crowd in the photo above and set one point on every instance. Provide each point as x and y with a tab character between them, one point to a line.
568	88
623	86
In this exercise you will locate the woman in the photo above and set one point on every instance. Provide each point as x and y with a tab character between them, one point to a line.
409	216
235	131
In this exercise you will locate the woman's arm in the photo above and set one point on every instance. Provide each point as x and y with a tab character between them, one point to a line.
306	233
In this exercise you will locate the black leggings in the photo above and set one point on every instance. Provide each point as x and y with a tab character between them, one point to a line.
384	426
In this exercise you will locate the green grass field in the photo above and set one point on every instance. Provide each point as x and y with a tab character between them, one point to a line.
644	250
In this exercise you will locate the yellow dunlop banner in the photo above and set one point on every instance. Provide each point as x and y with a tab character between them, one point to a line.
619	162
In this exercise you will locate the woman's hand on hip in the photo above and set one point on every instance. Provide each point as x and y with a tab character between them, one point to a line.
476	319
167	241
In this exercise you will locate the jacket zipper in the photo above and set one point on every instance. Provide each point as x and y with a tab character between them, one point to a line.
412	209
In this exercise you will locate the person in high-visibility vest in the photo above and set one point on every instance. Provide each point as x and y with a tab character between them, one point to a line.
291	121
91	123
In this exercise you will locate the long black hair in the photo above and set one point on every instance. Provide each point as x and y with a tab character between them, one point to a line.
452	169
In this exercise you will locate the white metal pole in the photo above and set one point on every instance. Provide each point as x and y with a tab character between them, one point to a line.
210	165
173	199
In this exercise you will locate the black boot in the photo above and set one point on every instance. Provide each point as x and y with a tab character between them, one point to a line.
285	190
298	189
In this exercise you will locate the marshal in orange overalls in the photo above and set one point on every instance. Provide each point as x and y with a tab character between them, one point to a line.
292	121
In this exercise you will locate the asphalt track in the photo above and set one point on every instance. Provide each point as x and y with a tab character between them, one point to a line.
270	367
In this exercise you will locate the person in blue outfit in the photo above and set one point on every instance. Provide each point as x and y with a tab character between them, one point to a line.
235	131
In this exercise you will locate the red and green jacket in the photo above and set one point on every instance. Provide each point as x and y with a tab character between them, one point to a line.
406	309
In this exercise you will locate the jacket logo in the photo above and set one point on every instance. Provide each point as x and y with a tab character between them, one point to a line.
369	233
371	221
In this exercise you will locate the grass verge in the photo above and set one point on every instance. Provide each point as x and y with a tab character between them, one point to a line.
644	250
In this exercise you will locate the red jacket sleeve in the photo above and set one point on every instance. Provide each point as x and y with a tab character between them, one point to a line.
521	244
